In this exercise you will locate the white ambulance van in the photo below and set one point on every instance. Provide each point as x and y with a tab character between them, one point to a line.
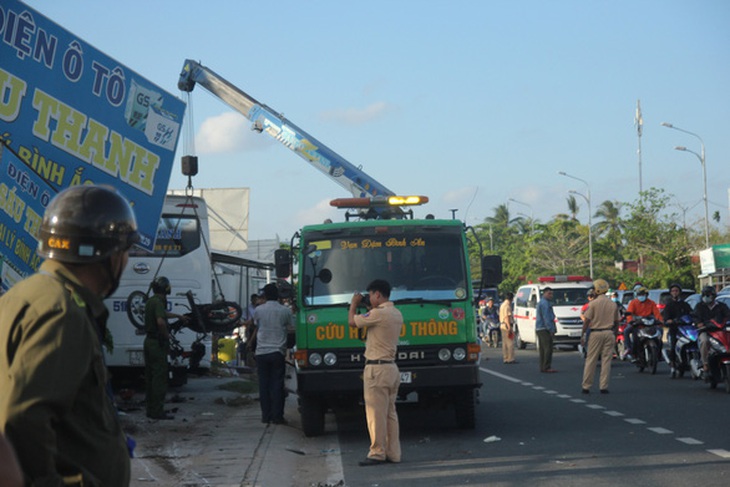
569	296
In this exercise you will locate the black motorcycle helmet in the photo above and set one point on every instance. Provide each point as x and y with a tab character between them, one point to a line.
87	224
161	285
709	291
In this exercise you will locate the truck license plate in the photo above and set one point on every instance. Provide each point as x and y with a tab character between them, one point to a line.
405	377
575	333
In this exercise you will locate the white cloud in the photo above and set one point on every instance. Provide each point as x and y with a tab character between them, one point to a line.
317	214
226	133
354	116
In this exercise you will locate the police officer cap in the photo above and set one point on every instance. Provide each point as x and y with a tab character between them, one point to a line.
601	286
86	224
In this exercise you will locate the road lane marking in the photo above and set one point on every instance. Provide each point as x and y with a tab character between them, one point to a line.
634	421
615	414
690	441
720	453
502	376
725	454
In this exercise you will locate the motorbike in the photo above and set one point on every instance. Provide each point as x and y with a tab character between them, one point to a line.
620	347
719	356
686	351
494	334
648	343
220	317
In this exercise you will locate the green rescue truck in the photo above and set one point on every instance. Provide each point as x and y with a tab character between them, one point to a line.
426	262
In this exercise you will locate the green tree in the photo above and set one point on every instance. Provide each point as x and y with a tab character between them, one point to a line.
653	236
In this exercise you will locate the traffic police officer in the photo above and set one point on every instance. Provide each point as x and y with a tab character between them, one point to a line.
56	407
381	377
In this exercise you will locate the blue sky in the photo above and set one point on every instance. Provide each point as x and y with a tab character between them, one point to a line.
469	102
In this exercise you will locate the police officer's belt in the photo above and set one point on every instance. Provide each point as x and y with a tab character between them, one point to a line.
378	362
602	329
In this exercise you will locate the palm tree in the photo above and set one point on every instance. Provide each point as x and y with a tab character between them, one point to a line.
501	216
611	227
573	207
610	215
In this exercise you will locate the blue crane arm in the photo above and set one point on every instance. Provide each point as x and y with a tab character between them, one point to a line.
266	119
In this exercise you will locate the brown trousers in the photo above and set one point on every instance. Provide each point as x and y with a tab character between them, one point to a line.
380	389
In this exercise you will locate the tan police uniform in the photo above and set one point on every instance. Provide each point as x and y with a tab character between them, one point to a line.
55	407
381	379
507	324
602	314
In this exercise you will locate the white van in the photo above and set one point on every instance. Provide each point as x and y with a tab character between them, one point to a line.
569	296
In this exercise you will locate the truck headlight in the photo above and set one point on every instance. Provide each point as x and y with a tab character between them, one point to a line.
459	354
444	354
315	359
330	358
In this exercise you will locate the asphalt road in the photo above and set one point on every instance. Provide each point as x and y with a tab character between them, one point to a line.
538	429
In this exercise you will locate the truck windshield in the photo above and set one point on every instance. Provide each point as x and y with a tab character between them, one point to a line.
423	265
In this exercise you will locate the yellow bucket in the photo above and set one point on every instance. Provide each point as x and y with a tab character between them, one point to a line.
227	349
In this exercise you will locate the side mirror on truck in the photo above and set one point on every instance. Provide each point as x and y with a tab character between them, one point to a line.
282	263
491	270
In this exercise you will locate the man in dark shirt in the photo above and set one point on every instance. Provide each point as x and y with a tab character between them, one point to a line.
671	314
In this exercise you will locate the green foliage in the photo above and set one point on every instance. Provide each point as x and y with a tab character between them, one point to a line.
645	231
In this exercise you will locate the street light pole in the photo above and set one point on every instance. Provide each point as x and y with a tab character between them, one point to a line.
701	157
590	215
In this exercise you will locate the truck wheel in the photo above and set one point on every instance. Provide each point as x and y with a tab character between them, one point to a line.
465	408
135	308
311	411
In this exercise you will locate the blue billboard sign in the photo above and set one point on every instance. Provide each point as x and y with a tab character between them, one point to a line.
73	115
23	198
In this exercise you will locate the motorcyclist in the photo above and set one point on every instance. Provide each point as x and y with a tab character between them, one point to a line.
490	318
639	307
708	309
672	312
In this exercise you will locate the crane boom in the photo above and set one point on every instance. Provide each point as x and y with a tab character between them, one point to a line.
266	119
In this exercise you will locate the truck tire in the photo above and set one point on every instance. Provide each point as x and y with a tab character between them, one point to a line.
311	411
465	408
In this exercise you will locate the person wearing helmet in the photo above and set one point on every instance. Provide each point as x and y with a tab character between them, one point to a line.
675	309
601	317
157	347
639	307
708	309
55	406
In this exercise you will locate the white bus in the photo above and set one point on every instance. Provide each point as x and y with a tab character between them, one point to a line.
182	255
